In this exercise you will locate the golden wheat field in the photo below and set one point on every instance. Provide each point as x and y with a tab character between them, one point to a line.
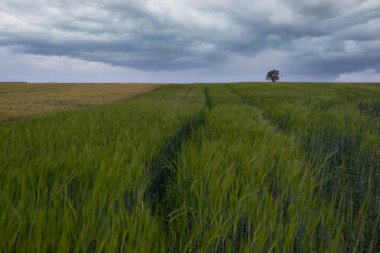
25	100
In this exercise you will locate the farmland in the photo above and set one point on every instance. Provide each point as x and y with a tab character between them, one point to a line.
24	100
245	167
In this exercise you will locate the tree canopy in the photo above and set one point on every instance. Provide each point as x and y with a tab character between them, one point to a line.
273	75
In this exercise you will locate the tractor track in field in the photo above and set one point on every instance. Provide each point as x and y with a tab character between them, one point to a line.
163	166
278	126
337	159
207	99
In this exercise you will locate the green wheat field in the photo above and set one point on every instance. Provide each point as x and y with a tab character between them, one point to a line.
244	167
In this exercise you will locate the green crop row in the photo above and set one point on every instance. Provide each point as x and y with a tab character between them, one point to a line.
341	142
242	186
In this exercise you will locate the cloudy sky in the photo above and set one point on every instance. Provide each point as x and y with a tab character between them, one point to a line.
189	40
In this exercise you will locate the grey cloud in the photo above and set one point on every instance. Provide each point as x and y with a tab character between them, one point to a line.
320	37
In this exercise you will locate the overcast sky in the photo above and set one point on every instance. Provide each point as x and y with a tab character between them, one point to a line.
189	40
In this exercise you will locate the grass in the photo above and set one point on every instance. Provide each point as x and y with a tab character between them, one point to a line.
26	100
76	181
205	168
340	141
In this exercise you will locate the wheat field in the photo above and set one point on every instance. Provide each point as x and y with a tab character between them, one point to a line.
243	167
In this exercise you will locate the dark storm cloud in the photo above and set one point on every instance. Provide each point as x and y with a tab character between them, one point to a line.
322	37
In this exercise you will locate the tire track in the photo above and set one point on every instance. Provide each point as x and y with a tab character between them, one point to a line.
327	174
163	166
207	99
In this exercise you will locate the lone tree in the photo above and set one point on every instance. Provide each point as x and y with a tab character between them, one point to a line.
273	75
